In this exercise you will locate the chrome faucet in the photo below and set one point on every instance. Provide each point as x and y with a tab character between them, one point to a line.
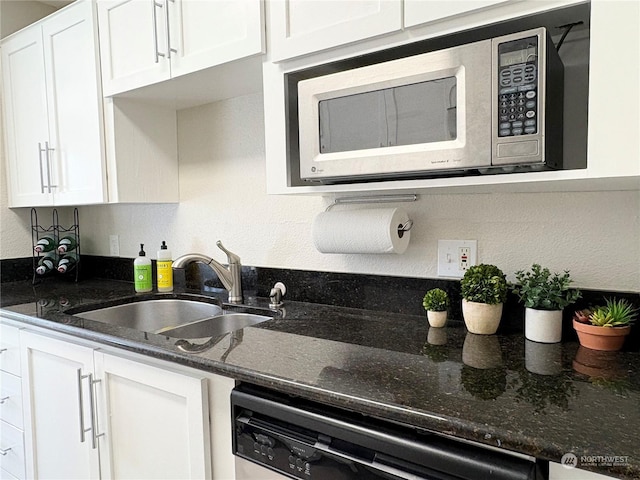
231	276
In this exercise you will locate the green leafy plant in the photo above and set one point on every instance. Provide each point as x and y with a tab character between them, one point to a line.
436	300
484	284
543	290
616	313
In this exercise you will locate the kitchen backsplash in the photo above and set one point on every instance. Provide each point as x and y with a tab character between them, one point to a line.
371	292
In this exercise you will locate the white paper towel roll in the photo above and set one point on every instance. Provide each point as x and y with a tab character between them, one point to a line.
361	231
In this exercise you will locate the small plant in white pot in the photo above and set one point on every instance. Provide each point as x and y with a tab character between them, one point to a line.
544	295
436	303
484	291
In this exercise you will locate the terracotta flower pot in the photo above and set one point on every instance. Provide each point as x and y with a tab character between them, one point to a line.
481	318
608	339
437	319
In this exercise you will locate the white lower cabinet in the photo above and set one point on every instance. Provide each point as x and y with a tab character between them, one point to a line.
91	413
12	463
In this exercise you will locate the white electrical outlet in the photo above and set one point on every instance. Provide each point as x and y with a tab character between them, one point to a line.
114	245
456	256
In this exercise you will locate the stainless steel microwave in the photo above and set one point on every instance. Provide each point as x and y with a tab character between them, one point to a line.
489	106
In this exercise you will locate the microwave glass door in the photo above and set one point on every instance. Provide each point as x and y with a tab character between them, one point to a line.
423	112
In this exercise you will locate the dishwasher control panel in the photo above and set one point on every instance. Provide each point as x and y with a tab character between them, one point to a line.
301	439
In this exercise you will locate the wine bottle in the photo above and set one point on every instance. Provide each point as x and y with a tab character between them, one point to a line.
45	264
67	243
45	244
67	262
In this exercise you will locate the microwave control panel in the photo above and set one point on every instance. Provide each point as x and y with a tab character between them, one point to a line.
518	87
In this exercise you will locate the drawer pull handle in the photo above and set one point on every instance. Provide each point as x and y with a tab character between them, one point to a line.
2	350
3	399
4	451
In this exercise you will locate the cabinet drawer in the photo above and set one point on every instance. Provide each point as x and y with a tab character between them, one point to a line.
12	450
10	349
11	399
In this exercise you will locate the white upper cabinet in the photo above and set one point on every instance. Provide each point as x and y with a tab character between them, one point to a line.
425	11
53	112
65	143
144	42
132	40
299	27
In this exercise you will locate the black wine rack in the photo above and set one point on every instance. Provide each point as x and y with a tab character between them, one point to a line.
57	232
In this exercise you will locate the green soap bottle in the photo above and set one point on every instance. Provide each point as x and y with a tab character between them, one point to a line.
142	276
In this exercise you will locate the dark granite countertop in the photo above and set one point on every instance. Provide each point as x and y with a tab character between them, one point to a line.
537	399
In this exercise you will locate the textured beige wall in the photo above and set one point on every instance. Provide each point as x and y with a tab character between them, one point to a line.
222	181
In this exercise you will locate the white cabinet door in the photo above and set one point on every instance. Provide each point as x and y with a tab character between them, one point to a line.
53	113
144	42
74	104
155	421
424	11
133	44
57	411
25	120
204	34
298	27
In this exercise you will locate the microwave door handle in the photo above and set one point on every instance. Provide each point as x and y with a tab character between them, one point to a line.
390	123
325	127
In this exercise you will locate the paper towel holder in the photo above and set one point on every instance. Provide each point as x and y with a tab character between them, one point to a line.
412	197
404	228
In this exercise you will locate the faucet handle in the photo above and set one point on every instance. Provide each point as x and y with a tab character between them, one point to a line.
231	257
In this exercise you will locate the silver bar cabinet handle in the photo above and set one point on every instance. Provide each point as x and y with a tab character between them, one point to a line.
83	430
4	451
169	49
94	417
49	149
40	150
4	399
155	30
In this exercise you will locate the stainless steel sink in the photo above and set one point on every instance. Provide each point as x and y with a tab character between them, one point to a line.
171	316
153	315
215	326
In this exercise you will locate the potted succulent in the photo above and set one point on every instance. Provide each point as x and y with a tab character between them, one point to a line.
484	291
605	327
544	295
436	303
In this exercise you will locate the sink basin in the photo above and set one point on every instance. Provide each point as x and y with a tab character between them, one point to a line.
171	316
213	327
155	314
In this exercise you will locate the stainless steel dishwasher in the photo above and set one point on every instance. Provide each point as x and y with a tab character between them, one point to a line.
280	437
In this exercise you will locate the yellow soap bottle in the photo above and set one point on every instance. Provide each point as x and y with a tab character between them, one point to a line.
165	270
